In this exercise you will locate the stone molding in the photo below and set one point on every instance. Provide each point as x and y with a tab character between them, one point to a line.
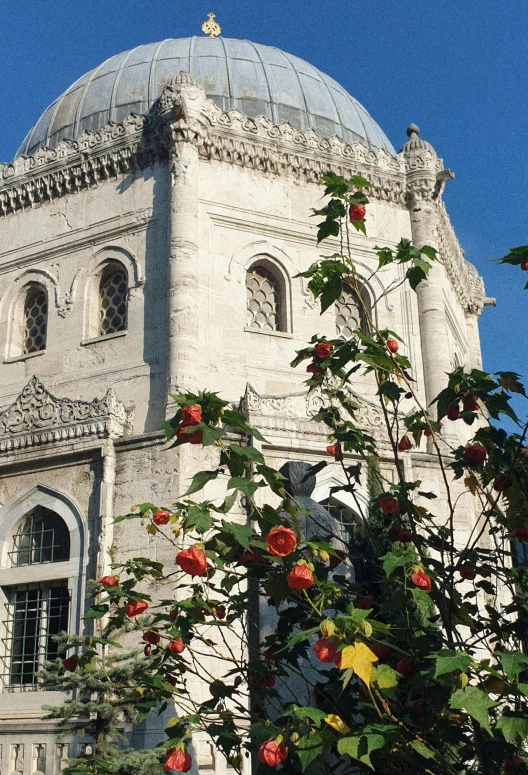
183	114
303	405
37	417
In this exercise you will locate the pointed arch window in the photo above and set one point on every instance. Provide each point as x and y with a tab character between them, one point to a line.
36	611
35	319
113	300
264	300
350	312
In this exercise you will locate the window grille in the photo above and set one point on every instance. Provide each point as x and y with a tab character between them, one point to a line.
34	614
340	513
35	320
349	314
113	290
263	300
42	537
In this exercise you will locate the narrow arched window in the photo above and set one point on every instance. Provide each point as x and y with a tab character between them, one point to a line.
35	319
113	292
37	611
264	303
350	313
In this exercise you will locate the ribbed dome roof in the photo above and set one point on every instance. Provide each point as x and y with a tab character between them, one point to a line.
255	79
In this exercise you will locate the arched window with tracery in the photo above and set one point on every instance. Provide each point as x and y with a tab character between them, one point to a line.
35	319
38	610
265	302
113	299
350	312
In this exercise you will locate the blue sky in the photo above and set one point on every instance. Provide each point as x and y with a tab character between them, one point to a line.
456	67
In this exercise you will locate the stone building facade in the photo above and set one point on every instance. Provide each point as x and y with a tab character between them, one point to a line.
153	224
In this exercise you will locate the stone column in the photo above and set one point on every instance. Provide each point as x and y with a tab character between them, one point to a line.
424	170
473	337
184	127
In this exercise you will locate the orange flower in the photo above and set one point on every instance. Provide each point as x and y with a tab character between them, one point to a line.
176	646
281	541
192	561
272	754
301	577
161	517
109	581
178	760
136	607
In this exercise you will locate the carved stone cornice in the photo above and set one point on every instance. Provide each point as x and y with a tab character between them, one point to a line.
37	417
464	277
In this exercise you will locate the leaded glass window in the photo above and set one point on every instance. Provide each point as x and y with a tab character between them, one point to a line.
42	537
263	300
349	314
113	290
35	320
34	613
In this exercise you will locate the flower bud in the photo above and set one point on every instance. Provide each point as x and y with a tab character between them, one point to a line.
327	628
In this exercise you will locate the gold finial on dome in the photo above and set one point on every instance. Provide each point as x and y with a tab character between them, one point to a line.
210	27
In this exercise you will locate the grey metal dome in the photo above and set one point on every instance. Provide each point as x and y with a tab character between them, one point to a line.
255	79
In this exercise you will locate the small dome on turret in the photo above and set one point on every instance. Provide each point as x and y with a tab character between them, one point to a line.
415	143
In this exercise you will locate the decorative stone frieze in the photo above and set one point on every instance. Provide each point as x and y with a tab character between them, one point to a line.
37	417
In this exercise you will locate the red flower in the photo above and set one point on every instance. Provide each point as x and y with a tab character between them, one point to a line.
467	573
218	611
270	654
301	577
161	517
178	760
147	650
405	536
521	533
335	561
192	415
313	368
136	607
421	580
70	663
453	412
323	350
502	483
381	650
272	754
176	646
476	453
394	532
151	637
511	765
524	266
393	345
109	581
265	681
333	449
326	651
364	602
281	541
250	558
191	438
405	444
469	403
405	668
192	561
389	505
357	212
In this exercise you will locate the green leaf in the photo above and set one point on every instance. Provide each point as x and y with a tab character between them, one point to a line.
241	533
513	726
300	636
476	703
513	663
333	289
356	181
415	275
243	485
198	516
448	662
422	749
237	420
316	715
326	229
249	453
523	688
210	435
96	611
509	380
385	677
360	747
397	559
309	748
200	480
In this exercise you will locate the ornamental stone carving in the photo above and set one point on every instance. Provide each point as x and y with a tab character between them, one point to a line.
38	417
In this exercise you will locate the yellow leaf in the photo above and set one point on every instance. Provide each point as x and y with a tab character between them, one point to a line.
337	723
471	484
360	658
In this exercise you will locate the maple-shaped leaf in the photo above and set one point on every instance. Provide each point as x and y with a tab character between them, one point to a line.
361	659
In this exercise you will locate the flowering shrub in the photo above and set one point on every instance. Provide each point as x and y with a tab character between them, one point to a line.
413	664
